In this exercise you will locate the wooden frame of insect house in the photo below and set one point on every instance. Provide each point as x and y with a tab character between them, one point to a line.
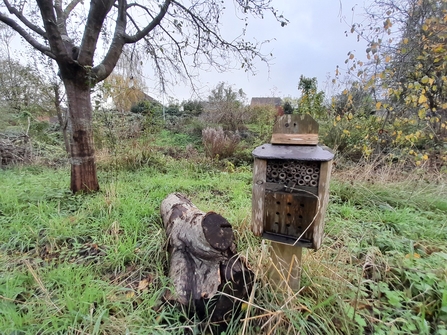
291	187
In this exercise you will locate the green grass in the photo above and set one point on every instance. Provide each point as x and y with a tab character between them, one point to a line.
388	243
77	264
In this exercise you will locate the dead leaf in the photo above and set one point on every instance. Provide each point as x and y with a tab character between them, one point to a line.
143	284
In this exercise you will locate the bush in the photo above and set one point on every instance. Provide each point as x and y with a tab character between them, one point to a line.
217	143
362	137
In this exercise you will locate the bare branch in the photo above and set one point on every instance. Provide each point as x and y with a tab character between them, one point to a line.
247	51
61	18
58	6
22	32
70	7
24	20
156	21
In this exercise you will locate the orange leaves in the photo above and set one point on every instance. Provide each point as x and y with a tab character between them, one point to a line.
412	256
387	24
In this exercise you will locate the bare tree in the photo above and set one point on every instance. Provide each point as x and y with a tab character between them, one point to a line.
175	34
226	107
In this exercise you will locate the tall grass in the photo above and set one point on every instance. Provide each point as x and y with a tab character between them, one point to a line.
97	264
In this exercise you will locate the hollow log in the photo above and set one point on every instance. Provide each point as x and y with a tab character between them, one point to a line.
203	260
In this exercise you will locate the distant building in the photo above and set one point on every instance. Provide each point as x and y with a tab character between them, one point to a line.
147	97
274	102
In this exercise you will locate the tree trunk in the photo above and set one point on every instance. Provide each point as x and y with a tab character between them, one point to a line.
204	261
80	131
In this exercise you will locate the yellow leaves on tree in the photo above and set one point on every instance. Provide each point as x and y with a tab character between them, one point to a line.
124	91
422	99
424	80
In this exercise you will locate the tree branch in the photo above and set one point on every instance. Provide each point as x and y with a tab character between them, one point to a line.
212	39
24	20
179	50
146	30
61	18
70	7
22	32
50	23
103	70
96	16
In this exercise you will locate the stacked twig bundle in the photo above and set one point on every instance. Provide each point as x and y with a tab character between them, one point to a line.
13	149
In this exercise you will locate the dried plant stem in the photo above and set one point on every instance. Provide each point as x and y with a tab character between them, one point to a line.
42	287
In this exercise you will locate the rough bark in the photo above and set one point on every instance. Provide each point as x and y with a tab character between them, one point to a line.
203	260
82	152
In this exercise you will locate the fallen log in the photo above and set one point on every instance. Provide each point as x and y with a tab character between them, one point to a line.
203	261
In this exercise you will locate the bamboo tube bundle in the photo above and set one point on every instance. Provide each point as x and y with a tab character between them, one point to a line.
288	172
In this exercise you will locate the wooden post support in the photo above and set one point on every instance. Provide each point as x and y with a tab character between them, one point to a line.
285	269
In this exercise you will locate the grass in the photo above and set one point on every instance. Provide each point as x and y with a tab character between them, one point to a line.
97	264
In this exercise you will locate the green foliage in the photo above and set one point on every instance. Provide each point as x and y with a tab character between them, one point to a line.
24	90
192	107
288	109
168	138
147	107
311	101
262	119
362	136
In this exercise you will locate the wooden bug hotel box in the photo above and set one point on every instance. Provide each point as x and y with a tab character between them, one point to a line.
291	184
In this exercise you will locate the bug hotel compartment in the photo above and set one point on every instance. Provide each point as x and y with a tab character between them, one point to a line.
290	193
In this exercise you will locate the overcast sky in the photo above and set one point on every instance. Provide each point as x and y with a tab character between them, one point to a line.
312	44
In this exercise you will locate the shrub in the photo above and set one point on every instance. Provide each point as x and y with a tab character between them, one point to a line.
364	137
217	143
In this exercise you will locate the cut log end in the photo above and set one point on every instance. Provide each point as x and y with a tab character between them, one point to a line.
218	231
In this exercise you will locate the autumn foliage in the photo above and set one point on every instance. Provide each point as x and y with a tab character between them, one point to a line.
404	77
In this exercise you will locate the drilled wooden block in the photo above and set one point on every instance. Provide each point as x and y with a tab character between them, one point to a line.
289	214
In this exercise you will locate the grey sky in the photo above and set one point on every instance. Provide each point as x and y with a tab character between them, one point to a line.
312	44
